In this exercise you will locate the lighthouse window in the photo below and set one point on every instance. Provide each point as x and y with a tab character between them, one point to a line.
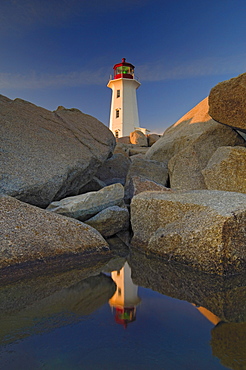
117	114
123	69
118	93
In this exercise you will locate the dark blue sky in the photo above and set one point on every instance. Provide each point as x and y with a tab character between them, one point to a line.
62	52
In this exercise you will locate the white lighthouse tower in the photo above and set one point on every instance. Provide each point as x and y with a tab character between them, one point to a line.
124	110
126	299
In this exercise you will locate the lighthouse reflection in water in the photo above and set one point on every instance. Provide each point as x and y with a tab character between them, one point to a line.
125	299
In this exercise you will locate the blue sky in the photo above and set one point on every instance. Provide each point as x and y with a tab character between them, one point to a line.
62	52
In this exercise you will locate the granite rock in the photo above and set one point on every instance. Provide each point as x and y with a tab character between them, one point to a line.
114	169
137	150
85	206
123	148
130	149
33	235
204	229
227	102
196	128
226	169
152	138
147	169
138	138
110	221
185	168
45	155
138	184
123	139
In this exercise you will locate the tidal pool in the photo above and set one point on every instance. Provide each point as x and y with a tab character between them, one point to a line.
136	314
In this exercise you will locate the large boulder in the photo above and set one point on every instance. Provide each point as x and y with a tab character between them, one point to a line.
114	169
189	144
137	150
192	129
129	150
139	184
30	235
226	169
137	137
203	229
146	169
110	221
152	138
85	206
48	155
123	139
227	102
185	168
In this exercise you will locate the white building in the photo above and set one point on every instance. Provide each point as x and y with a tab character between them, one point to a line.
124	110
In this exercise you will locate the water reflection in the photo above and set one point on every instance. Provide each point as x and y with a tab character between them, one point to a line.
209	315
221	300
42	304
125	299
33	306
224	297
228	343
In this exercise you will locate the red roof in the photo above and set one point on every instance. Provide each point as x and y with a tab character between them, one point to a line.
124	63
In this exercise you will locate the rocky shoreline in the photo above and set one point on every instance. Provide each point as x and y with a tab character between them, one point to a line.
67	187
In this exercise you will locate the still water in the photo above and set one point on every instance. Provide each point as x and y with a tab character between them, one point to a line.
134	314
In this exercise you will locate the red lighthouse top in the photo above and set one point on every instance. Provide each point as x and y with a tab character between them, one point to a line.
124	70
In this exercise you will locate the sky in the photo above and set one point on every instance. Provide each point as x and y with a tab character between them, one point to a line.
62	52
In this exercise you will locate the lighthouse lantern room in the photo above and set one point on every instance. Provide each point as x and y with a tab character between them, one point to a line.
124	110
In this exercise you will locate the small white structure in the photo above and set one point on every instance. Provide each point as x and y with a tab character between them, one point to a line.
124	110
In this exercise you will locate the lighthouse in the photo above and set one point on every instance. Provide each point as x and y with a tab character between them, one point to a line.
126	299
124	110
